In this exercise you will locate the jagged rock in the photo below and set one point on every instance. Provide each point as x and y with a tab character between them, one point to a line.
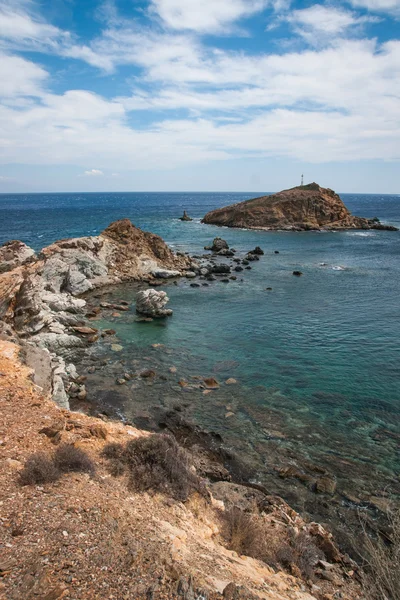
300	208
151	303
185	217
14	254
217	245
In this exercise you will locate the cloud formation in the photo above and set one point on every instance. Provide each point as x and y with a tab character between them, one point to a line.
207	16
93	173
187	101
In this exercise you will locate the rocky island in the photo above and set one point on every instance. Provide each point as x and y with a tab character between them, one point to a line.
302	208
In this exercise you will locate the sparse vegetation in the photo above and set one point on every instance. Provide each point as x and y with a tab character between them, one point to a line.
382	563
43	468
155	463
248	533
68	458
39	468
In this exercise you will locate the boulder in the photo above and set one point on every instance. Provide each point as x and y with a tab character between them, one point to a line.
151	303
165	273
257	250
217	245
221	269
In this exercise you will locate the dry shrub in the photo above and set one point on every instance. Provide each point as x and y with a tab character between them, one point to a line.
155	463
39	468
300	552
248	533
68	458
243	532
382	563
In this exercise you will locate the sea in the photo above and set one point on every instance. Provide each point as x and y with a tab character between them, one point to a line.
316	358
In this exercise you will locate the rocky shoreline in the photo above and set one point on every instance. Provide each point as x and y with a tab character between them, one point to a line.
49	305
42	296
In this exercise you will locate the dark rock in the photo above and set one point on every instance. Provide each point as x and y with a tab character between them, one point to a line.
221	269
297	273
257	250
148	373
185	217
217	245
238	269
248	268
195	285
276	251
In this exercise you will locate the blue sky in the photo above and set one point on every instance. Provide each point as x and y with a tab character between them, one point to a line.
199	95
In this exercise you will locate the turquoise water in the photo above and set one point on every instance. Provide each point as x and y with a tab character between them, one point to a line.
317	357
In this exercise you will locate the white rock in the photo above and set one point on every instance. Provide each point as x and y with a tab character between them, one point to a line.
165	273
151	303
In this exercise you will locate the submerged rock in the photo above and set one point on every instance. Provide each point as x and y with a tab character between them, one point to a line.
151	303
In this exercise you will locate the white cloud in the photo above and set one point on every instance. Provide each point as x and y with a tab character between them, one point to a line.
319	20
389	6
20	77
336	103
205	16
18	27
93	173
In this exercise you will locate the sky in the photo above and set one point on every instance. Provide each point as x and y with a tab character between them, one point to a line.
199	95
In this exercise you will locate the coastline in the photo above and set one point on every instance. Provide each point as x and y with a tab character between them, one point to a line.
303	482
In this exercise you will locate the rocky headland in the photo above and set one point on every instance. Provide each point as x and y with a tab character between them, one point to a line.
41	295
302	208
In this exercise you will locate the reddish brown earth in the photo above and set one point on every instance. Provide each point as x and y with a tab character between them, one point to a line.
85	537
299	208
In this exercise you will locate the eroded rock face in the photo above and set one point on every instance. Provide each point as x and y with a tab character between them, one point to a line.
301	208
14	254
39	294
151	303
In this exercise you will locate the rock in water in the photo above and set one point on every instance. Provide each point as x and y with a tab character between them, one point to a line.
300	208
217	245
151	304
185	217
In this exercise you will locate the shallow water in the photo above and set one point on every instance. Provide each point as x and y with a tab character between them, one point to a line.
316	358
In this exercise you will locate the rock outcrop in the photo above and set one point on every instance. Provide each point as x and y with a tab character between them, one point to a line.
185	217
40	298
13	254
303	208
151	303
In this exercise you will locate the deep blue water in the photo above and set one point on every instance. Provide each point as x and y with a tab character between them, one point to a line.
324	347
